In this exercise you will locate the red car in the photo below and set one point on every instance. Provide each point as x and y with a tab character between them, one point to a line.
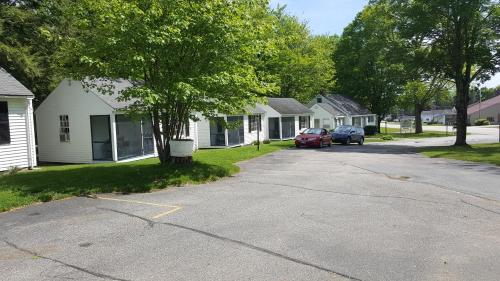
313	138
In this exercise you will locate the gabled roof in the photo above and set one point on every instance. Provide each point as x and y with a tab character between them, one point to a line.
288	106
110	95
330	109
9	86
484	104
345	105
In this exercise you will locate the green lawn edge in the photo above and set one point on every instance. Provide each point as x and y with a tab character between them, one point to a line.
480	153
49	183
397	136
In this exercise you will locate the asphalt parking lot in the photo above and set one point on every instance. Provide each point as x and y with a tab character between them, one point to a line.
377	212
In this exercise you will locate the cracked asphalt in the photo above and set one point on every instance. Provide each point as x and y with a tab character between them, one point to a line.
377	212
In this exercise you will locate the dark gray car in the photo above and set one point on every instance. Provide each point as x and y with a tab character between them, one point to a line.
347	134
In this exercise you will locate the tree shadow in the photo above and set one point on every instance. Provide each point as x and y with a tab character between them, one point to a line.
126	178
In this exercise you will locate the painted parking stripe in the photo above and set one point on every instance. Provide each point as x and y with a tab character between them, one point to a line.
174	208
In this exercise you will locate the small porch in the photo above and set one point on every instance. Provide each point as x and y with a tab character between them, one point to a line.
220	136
287	127
118	138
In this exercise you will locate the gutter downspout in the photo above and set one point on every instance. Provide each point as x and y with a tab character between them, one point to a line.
30	133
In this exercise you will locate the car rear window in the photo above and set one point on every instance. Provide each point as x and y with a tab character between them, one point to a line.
313	131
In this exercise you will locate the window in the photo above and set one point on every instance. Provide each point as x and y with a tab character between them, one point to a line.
371	119
319	100
4	123
253	123
304	122
64	128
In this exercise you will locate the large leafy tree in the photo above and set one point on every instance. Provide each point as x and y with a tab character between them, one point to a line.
368	60
301	64
186	56
27	47
462	37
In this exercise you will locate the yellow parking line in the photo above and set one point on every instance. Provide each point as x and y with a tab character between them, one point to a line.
175	207
167	213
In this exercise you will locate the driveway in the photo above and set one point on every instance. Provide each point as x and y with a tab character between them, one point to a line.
377	212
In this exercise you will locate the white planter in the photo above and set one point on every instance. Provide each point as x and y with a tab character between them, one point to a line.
181	148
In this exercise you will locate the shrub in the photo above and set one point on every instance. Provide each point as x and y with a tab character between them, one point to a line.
371	130
266	142
481	122
255	142
387	137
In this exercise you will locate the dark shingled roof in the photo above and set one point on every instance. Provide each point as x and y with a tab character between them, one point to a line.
346	105
9	86
288	106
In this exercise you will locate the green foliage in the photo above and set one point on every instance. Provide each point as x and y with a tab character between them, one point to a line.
370	130
461	39
368	59
190	56
485	153
387	137
301	63
56	182
27	47
481	122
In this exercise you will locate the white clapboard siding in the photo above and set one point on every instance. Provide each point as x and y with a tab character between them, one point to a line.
16	154
69	98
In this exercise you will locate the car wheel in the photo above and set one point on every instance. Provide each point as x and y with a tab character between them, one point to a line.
361	141
348	141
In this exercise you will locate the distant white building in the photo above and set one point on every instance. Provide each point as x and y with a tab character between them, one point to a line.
439	116
17	130
331	111
81	125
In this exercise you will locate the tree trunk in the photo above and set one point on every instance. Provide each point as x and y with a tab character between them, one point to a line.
162	146
379	120
418	119
461	106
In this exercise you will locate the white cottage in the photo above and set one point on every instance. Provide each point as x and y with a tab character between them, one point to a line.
80	125
241	129
17	134
286	118
331	111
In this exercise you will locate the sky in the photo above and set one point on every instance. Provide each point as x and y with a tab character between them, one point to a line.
331	16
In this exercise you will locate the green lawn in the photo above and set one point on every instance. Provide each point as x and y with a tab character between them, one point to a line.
57	182
395	133
487	153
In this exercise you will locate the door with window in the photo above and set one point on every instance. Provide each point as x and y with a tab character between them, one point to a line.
274	128
217	132
101	138
288	127
236	134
